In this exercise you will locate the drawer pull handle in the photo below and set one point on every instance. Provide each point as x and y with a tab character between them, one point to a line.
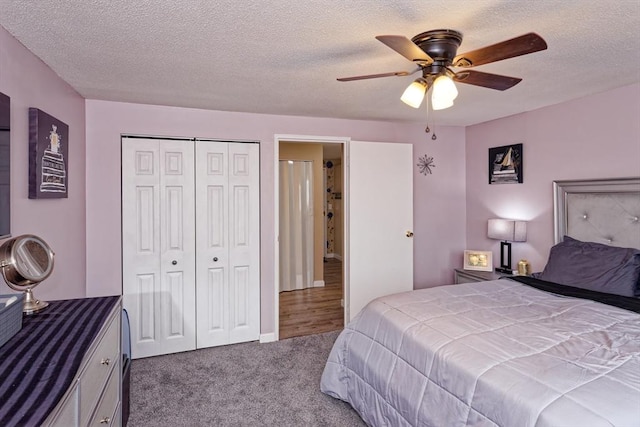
105	420
105	362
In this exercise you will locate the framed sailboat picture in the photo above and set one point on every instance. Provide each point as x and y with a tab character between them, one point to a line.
505	164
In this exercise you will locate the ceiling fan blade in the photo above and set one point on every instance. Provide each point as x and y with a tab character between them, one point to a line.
375	76
522	45
491	81
406	48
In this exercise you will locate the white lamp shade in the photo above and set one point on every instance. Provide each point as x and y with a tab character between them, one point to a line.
507	229
414	93
443	93
440	104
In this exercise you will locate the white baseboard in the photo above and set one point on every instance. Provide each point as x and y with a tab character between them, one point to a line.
336	256
270	337
318	283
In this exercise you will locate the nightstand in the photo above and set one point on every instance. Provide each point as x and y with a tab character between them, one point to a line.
468	276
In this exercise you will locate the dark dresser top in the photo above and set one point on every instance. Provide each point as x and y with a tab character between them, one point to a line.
38	364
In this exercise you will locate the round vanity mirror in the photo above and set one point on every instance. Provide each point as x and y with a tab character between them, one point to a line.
25	262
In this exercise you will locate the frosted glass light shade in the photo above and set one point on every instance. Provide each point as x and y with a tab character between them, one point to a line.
414	93
440	104
443	93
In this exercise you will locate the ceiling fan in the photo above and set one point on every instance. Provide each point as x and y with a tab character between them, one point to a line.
435	53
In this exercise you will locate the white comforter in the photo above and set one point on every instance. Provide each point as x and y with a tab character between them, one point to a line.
487	354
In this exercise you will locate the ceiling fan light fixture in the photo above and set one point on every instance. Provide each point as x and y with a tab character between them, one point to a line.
443	93
414	93
441	104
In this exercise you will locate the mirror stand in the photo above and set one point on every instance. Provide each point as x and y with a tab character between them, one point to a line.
31	304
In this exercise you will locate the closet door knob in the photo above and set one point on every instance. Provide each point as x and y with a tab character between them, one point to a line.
215	259
174	262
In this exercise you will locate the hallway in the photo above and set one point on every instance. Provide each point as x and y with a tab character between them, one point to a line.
314	310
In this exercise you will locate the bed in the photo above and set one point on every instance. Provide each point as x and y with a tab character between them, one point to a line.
558	349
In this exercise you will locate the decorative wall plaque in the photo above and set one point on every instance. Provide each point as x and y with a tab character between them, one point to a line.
48	156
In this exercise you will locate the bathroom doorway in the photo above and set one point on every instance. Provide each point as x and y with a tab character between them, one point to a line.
319	308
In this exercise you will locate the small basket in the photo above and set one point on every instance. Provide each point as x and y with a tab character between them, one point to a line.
10	317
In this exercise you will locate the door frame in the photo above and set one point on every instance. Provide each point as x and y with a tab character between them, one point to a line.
278	138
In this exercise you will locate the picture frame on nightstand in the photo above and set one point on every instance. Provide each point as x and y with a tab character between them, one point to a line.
478	260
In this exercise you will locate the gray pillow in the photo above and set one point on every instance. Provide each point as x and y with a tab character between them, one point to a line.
594	266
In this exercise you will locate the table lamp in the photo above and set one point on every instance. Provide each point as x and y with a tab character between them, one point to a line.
506	230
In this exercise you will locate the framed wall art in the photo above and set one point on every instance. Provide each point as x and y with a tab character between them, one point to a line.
505	164
48	156
478	260
5	166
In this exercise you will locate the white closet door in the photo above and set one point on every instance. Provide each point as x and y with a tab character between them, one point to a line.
227	242
158	244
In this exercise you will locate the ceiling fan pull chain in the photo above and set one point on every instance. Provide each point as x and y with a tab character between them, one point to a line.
433	136
427	130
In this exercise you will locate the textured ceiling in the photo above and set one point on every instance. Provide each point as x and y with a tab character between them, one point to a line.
283	56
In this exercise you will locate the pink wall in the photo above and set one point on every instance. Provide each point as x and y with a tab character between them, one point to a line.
60	222
439	198
593	137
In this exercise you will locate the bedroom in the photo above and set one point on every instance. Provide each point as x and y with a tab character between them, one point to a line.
593	136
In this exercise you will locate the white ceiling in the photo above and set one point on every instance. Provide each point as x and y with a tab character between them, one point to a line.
283	56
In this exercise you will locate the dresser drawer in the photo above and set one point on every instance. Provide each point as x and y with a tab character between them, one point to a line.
67	414
463	278
100	364
105	414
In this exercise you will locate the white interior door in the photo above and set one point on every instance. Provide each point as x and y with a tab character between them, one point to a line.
380	216
227	242
158	244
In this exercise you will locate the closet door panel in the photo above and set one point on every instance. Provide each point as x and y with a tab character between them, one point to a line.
177	261
212	321
244	245
141	244
158	244
144	327
174	305
215	219
240	288
228	238
212	237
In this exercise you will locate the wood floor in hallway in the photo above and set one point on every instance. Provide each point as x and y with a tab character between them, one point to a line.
314	310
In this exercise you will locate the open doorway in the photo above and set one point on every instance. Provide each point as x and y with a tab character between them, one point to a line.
318	308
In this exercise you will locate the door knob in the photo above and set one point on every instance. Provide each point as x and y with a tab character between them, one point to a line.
215	259
174	262
409	234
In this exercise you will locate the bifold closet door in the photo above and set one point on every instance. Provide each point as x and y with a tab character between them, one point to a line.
227	242
158	244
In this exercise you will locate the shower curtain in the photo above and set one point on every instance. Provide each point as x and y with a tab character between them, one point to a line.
296	225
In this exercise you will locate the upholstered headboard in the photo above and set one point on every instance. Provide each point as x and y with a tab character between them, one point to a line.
604	211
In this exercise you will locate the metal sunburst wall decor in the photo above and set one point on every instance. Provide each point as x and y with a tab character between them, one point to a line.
425	163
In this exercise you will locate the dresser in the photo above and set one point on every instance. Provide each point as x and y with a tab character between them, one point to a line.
64	367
